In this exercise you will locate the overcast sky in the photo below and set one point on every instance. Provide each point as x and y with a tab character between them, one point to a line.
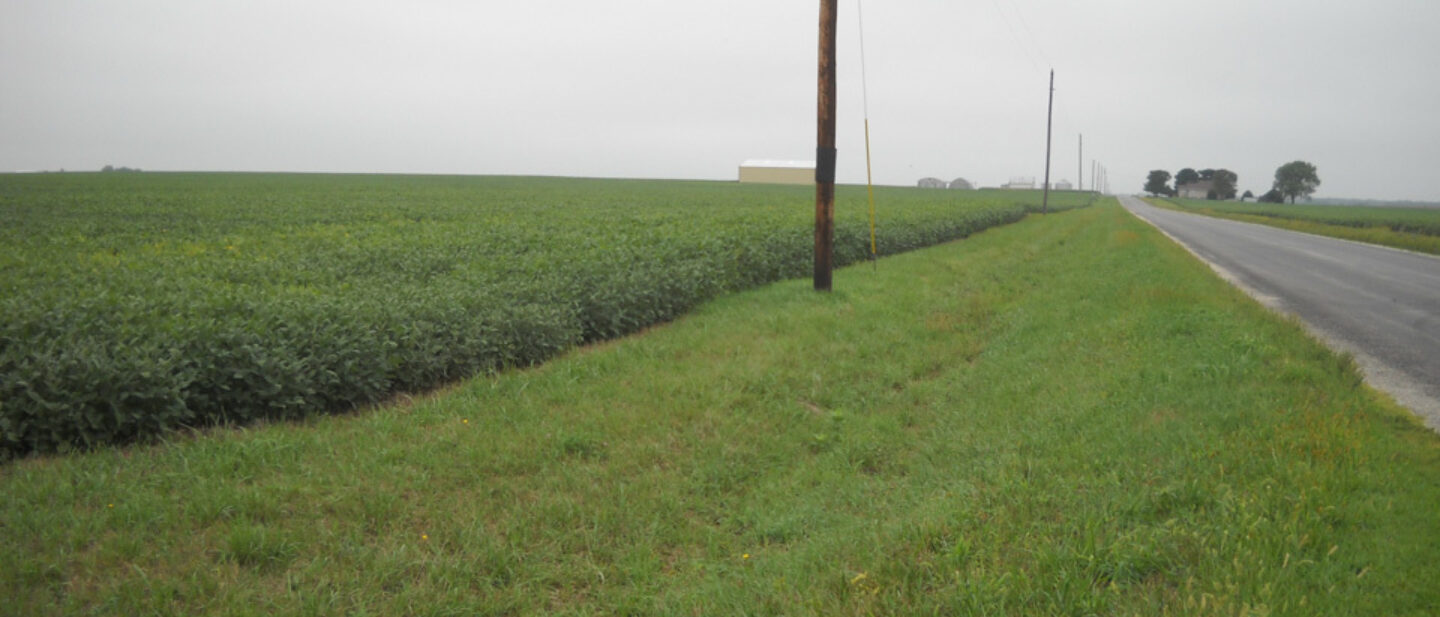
689	89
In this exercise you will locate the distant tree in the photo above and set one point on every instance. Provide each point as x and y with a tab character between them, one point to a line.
1156	184
932	183
1247	195
1296	179
1207	174
108	168
1272	197
1186	176
1223	184
961	183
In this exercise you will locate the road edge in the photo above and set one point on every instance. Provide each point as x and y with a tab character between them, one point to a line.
1377	374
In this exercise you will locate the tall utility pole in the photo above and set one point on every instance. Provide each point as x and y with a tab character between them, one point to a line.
1093	186
1049	115
1080	164
825	151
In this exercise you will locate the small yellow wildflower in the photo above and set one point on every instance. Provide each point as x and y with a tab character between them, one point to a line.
424	536
110	505
745	556
465	421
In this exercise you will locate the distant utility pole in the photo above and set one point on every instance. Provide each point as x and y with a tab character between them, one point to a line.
1080	165
1049	116
1093	186
825	151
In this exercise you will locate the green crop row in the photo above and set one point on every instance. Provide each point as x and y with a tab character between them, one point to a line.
139	303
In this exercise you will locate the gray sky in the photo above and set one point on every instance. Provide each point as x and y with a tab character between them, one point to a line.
684	89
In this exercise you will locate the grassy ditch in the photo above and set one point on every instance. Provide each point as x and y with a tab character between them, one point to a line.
1065	416
1414	229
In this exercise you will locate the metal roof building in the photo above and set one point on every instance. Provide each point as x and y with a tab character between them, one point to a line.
777	172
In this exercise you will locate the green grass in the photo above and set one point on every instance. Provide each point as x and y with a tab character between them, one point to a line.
1066	416
134	303
1415	229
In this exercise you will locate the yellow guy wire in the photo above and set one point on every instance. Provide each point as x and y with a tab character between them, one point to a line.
870	188
865	96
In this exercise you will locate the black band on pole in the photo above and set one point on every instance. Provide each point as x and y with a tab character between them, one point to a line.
824	165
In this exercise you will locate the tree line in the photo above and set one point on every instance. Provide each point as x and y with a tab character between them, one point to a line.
1292	180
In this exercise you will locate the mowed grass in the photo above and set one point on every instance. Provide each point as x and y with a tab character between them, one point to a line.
1414	229
1066	416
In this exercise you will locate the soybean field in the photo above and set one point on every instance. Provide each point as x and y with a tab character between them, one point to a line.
131	304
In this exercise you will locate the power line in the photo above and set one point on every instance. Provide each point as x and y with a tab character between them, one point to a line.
1023	24
1013	35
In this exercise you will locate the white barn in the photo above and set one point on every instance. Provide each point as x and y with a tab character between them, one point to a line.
777	172
1199	189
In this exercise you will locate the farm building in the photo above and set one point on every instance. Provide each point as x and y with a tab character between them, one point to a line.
1199	189
1019	182
778	172
1063	185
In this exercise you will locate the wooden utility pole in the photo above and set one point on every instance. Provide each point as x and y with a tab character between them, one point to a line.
1049	115
825	151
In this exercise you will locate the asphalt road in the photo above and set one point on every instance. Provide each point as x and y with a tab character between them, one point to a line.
1382	305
